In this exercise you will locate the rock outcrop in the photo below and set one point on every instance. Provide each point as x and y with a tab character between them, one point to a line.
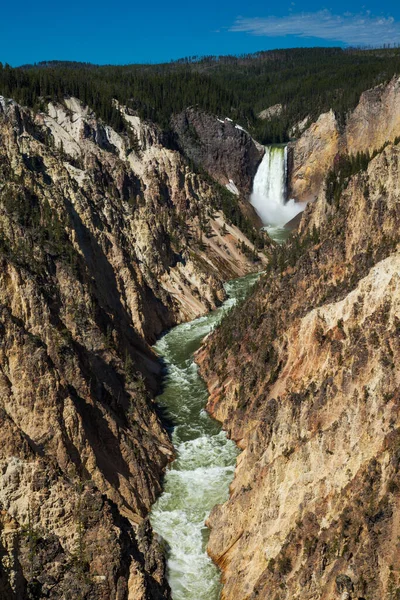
224	150
311	156
106	239
374	122
304	376
271	112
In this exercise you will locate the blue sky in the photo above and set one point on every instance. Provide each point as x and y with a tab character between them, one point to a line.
123	32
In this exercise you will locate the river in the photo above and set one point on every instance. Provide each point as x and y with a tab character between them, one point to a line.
199	477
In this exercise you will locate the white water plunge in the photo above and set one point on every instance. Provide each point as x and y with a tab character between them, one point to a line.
270	189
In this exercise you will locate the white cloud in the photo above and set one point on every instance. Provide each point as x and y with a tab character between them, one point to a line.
348	28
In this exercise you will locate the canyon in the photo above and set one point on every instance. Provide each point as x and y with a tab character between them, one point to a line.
109	237
373	123
106	241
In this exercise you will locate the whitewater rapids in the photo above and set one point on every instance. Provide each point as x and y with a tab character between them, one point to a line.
199	477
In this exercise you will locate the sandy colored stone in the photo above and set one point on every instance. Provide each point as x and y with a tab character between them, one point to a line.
374	122
309	389
100	251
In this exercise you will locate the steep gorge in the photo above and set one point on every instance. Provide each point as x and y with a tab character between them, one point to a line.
109	238
106	240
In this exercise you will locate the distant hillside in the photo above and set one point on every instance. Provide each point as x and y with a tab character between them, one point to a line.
238	87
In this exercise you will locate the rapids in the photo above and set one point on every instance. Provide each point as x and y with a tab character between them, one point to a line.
199	477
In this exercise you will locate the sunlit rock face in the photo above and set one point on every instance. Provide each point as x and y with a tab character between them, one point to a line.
375	121
311	156
309	390
106	240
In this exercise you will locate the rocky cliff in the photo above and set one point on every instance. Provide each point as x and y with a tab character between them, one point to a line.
106	239
305	378
375	121
224	150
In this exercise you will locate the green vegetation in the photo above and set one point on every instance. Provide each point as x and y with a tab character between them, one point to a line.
287	255
344	168
32	536
229	205
306	81
42	226
284	565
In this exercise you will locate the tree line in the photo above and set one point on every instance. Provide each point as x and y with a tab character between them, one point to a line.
306	81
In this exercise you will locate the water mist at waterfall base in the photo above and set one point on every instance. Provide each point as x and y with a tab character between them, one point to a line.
269	191
199	477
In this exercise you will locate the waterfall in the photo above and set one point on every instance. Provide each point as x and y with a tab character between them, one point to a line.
270	189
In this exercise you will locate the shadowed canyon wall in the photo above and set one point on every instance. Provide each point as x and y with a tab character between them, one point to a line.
106	240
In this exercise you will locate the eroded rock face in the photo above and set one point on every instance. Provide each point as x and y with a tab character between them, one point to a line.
271	112
375	121
312	156
105	241
223	149
305	378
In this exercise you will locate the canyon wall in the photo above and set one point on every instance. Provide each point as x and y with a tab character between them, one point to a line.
375	121
106	240
304	377
224	150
